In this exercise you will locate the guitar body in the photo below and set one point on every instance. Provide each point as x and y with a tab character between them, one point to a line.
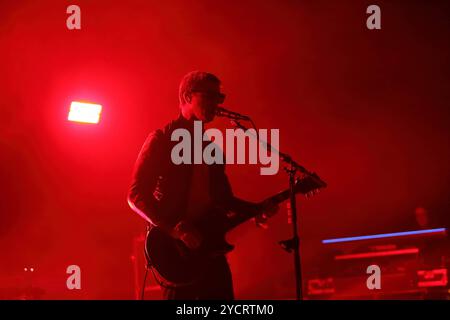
174	262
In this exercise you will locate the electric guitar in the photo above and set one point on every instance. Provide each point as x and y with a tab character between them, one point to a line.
176	264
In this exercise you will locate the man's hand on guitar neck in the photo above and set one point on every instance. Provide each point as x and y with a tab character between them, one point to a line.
187	233
268	208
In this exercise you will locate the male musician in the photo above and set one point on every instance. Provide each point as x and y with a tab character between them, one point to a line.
171	196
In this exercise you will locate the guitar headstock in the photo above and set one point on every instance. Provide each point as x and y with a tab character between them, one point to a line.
309	185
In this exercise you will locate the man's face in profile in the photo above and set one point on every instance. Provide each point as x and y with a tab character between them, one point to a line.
205	99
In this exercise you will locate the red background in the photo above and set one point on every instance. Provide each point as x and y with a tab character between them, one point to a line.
367	110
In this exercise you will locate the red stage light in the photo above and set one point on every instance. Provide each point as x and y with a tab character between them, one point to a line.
84	112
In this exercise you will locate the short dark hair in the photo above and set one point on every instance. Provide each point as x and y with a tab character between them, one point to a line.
192	81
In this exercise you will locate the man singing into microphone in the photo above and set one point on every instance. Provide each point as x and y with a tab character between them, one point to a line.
170	196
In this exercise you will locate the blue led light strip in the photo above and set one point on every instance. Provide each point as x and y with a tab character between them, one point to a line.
384	235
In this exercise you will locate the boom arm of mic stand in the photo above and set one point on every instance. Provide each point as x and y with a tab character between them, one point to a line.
284	156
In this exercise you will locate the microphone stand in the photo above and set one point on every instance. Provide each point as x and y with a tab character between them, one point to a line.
293	244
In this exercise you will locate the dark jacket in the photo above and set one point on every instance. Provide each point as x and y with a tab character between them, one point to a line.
160	189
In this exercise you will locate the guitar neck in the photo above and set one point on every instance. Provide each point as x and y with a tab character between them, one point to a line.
305	186
238	219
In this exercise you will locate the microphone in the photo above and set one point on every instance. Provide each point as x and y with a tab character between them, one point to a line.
222	112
